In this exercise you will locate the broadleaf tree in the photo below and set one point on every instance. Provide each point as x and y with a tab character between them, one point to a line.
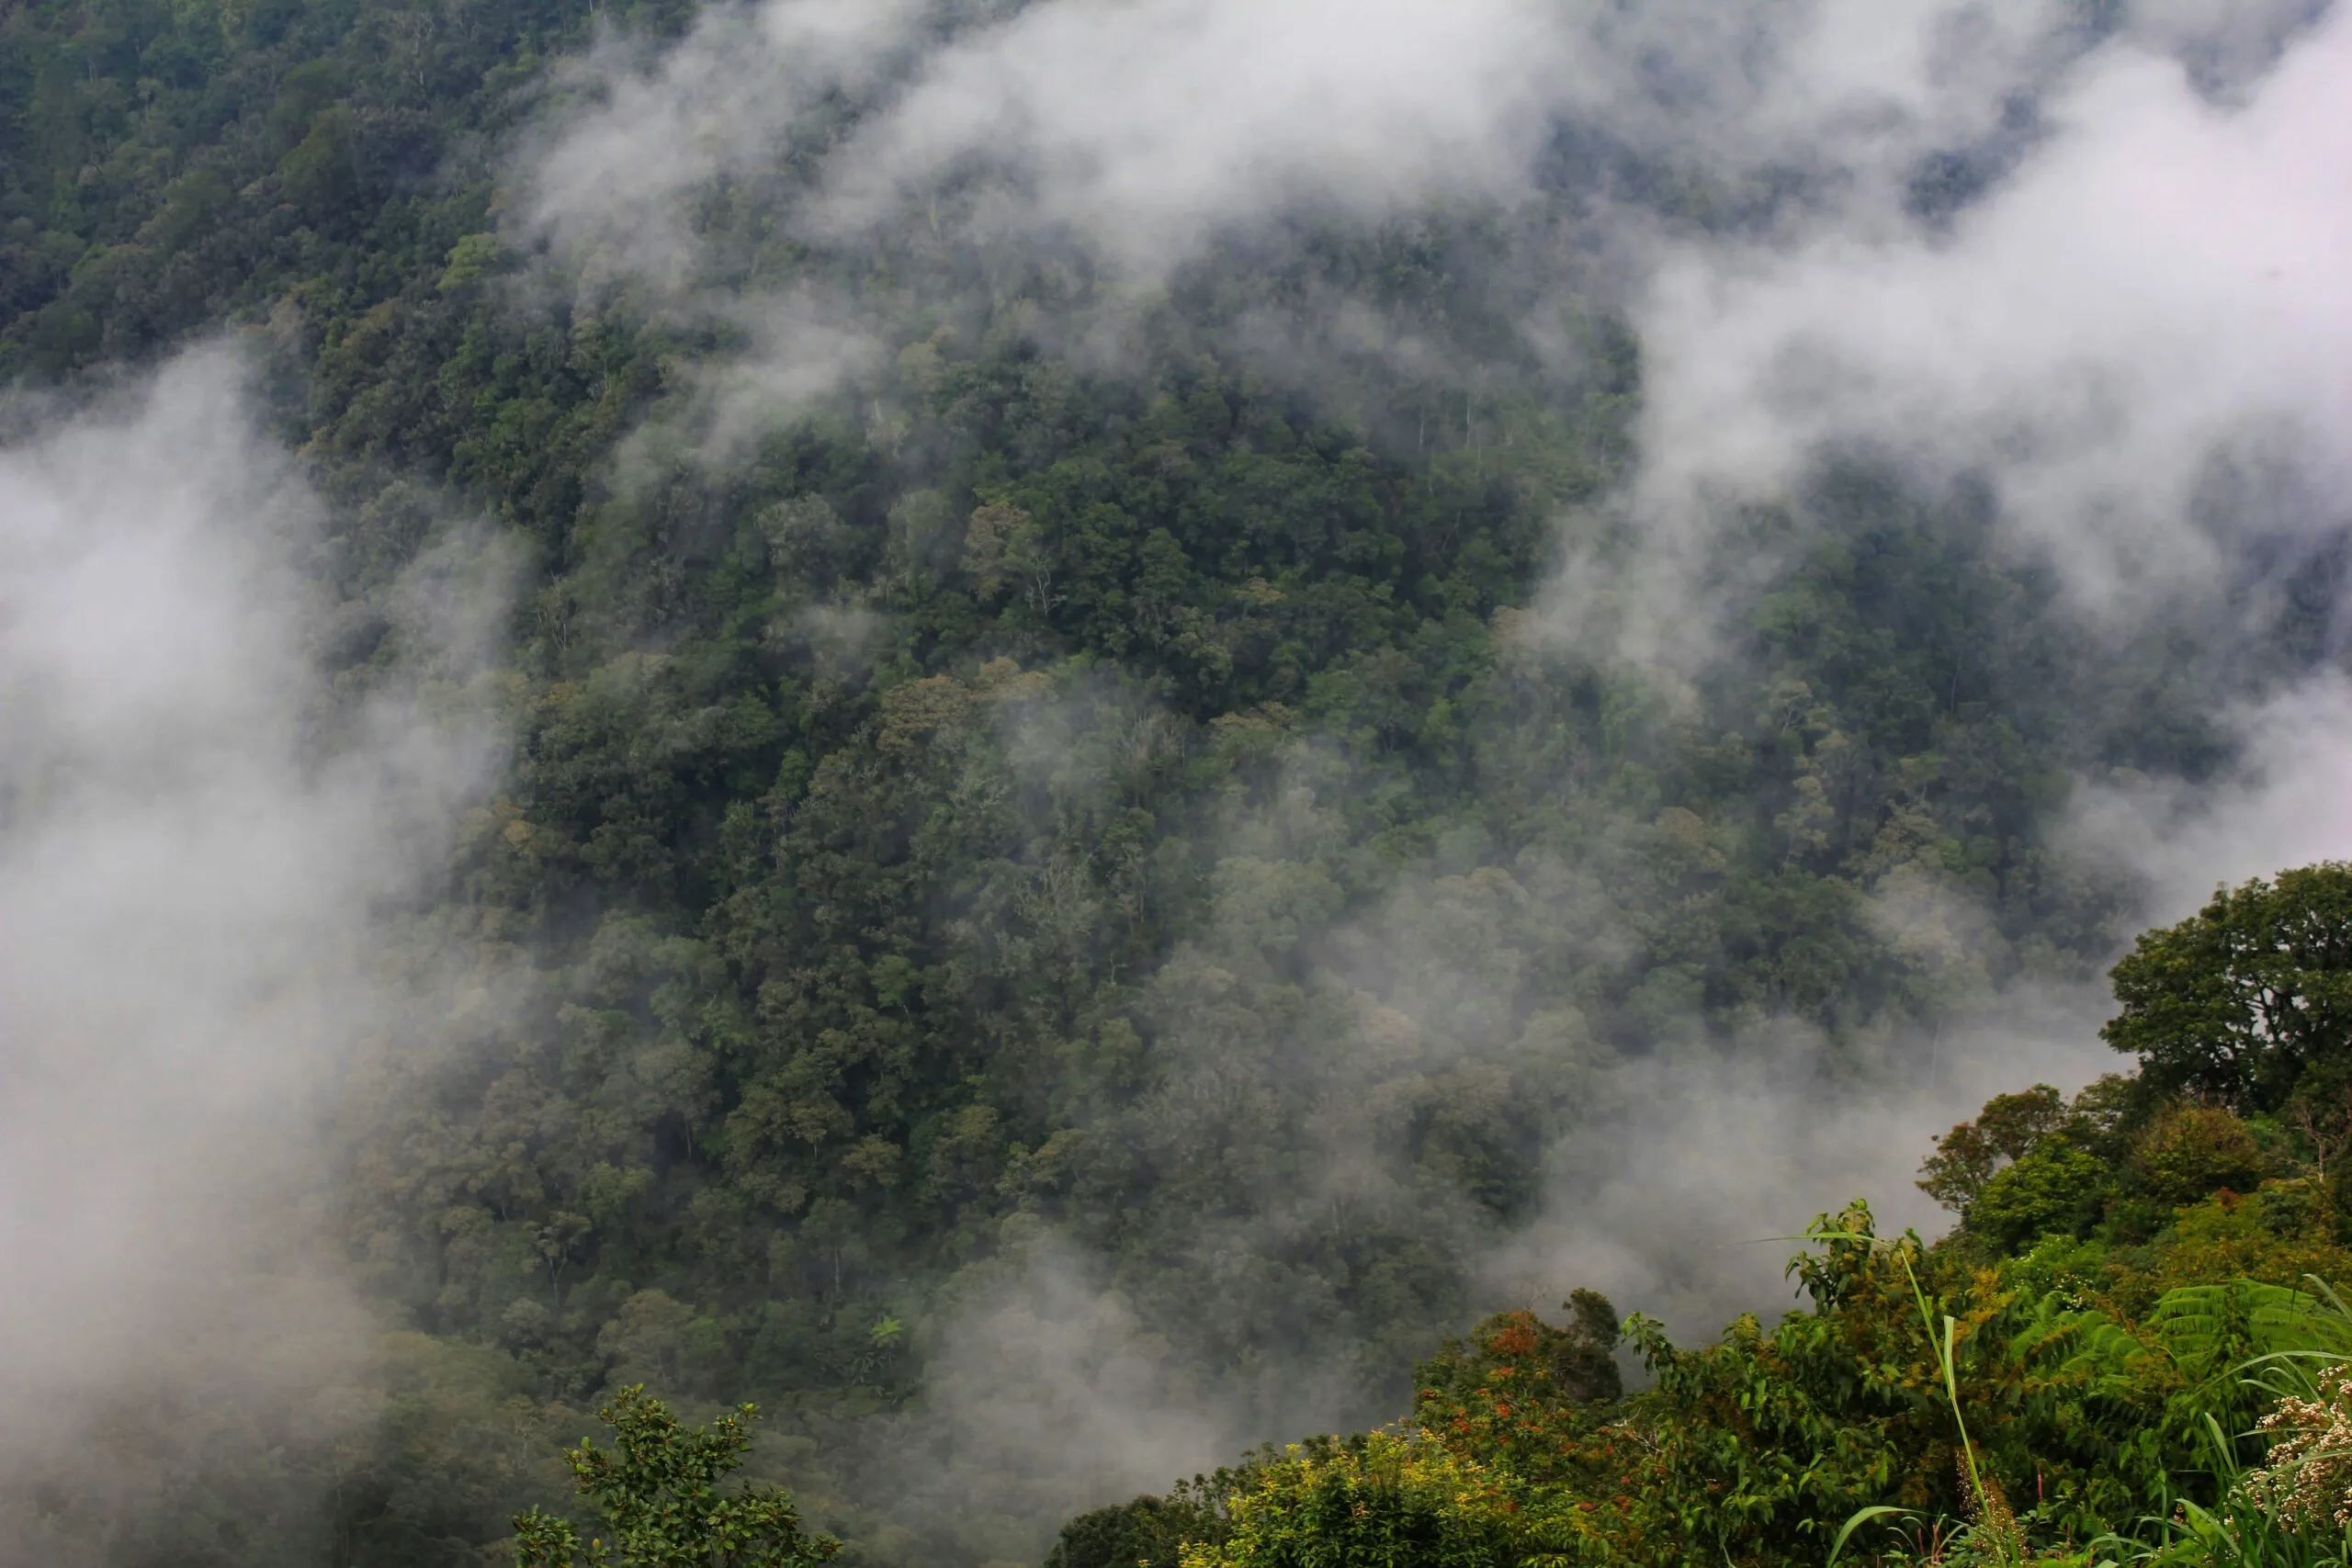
2240	999
658	1491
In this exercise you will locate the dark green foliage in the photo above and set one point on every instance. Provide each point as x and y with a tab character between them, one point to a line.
2032	1164
2009	1125
1584	1366
2238	1000
1049	792
1145	1533
162	165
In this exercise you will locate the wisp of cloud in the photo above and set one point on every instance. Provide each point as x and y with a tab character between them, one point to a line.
197	843
2094	271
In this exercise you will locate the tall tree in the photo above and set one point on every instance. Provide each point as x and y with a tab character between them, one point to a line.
2238	1000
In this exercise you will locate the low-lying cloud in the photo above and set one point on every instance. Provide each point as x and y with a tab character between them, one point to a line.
2151	295
196	843
2094	273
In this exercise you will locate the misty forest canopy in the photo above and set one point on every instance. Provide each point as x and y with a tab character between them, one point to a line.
1073	848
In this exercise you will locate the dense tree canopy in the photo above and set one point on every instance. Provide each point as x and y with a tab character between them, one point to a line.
1142	804
2244	998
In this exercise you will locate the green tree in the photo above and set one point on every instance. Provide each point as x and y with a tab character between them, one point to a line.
2054	1187
1966	1158
658	1490
2236	1001
1149	1532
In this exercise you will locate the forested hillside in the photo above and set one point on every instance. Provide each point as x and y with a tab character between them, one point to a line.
2129	1348
1061	854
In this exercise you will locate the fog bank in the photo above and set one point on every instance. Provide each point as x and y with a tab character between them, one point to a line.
198	841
